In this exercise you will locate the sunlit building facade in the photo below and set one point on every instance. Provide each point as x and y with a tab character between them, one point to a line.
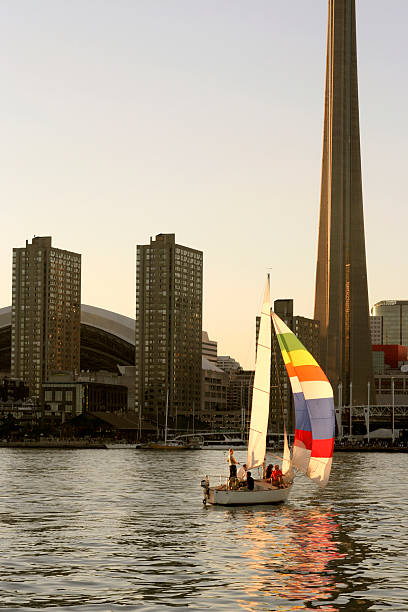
341	298
169	280
394	321
45	312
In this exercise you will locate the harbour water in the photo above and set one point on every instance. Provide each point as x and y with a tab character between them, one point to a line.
127	530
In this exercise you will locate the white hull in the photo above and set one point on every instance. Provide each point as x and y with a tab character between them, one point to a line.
118	445
262	494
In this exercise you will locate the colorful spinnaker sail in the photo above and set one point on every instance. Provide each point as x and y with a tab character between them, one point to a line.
314	406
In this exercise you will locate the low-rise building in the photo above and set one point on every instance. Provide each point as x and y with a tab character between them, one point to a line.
240	399
228	364
64	398
208	348
214	408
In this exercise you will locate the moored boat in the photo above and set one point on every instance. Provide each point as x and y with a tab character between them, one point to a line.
121	445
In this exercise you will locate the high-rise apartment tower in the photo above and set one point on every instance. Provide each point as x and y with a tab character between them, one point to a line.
341	301
169	295
46	312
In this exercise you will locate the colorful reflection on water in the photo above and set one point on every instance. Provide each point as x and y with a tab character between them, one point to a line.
290	558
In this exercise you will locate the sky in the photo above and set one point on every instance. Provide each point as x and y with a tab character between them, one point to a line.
123	119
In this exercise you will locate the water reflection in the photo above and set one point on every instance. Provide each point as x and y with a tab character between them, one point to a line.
127	530
288	555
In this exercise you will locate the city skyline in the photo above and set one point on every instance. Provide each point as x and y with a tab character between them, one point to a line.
190	130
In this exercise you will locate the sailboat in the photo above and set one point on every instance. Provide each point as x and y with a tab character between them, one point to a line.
314	410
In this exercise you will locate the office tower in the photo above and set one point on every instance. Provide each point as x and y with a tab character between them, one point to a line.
341	300
169	294
308	332
394	317
45	315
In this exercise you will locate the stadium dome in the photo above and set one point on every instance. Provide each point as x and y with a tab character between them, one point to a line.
107	339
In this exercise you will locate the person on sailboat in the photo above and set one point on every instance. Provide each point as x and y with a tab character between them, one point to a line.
242	473
232	462
277	477
268	472
250	482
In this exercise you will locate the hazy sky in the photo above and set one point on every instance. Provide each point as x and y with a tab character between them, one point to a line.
123	119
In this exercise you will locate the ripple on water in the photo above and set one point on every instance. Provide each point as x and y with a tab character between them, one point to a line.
123	530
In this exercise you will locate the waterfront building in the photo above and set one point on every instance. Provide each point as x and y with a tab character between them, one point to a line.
45	315
214	407
64	398
21	415
169	298
209	348
13	389
341	299
392	387
239	399
394	318
228	364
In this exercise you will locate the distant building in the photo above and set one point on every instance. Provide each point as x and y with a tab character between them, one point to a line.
240	399
13	390
376	329
228	364
45	316
209	348
214	407
64	398
394	315
394	354
378	362
392	386
169	294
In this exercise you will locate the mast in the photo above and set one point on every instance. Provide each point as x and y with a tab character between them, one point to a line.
167	414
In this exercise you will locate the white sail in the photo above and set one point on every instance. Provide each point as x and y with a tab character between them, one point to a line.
287	469
260	397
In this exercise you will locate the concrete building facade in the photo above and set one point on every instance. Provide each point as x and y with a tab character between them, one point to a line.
341	299
214	407
45	313
394	321
169	297
376	323
209	348
228	364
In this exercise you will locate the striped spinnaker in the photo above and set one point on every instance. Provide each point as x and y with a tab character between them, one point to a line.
314	406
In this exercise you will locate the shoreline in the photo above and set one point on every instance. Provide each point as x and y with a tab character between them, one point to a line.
78	444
